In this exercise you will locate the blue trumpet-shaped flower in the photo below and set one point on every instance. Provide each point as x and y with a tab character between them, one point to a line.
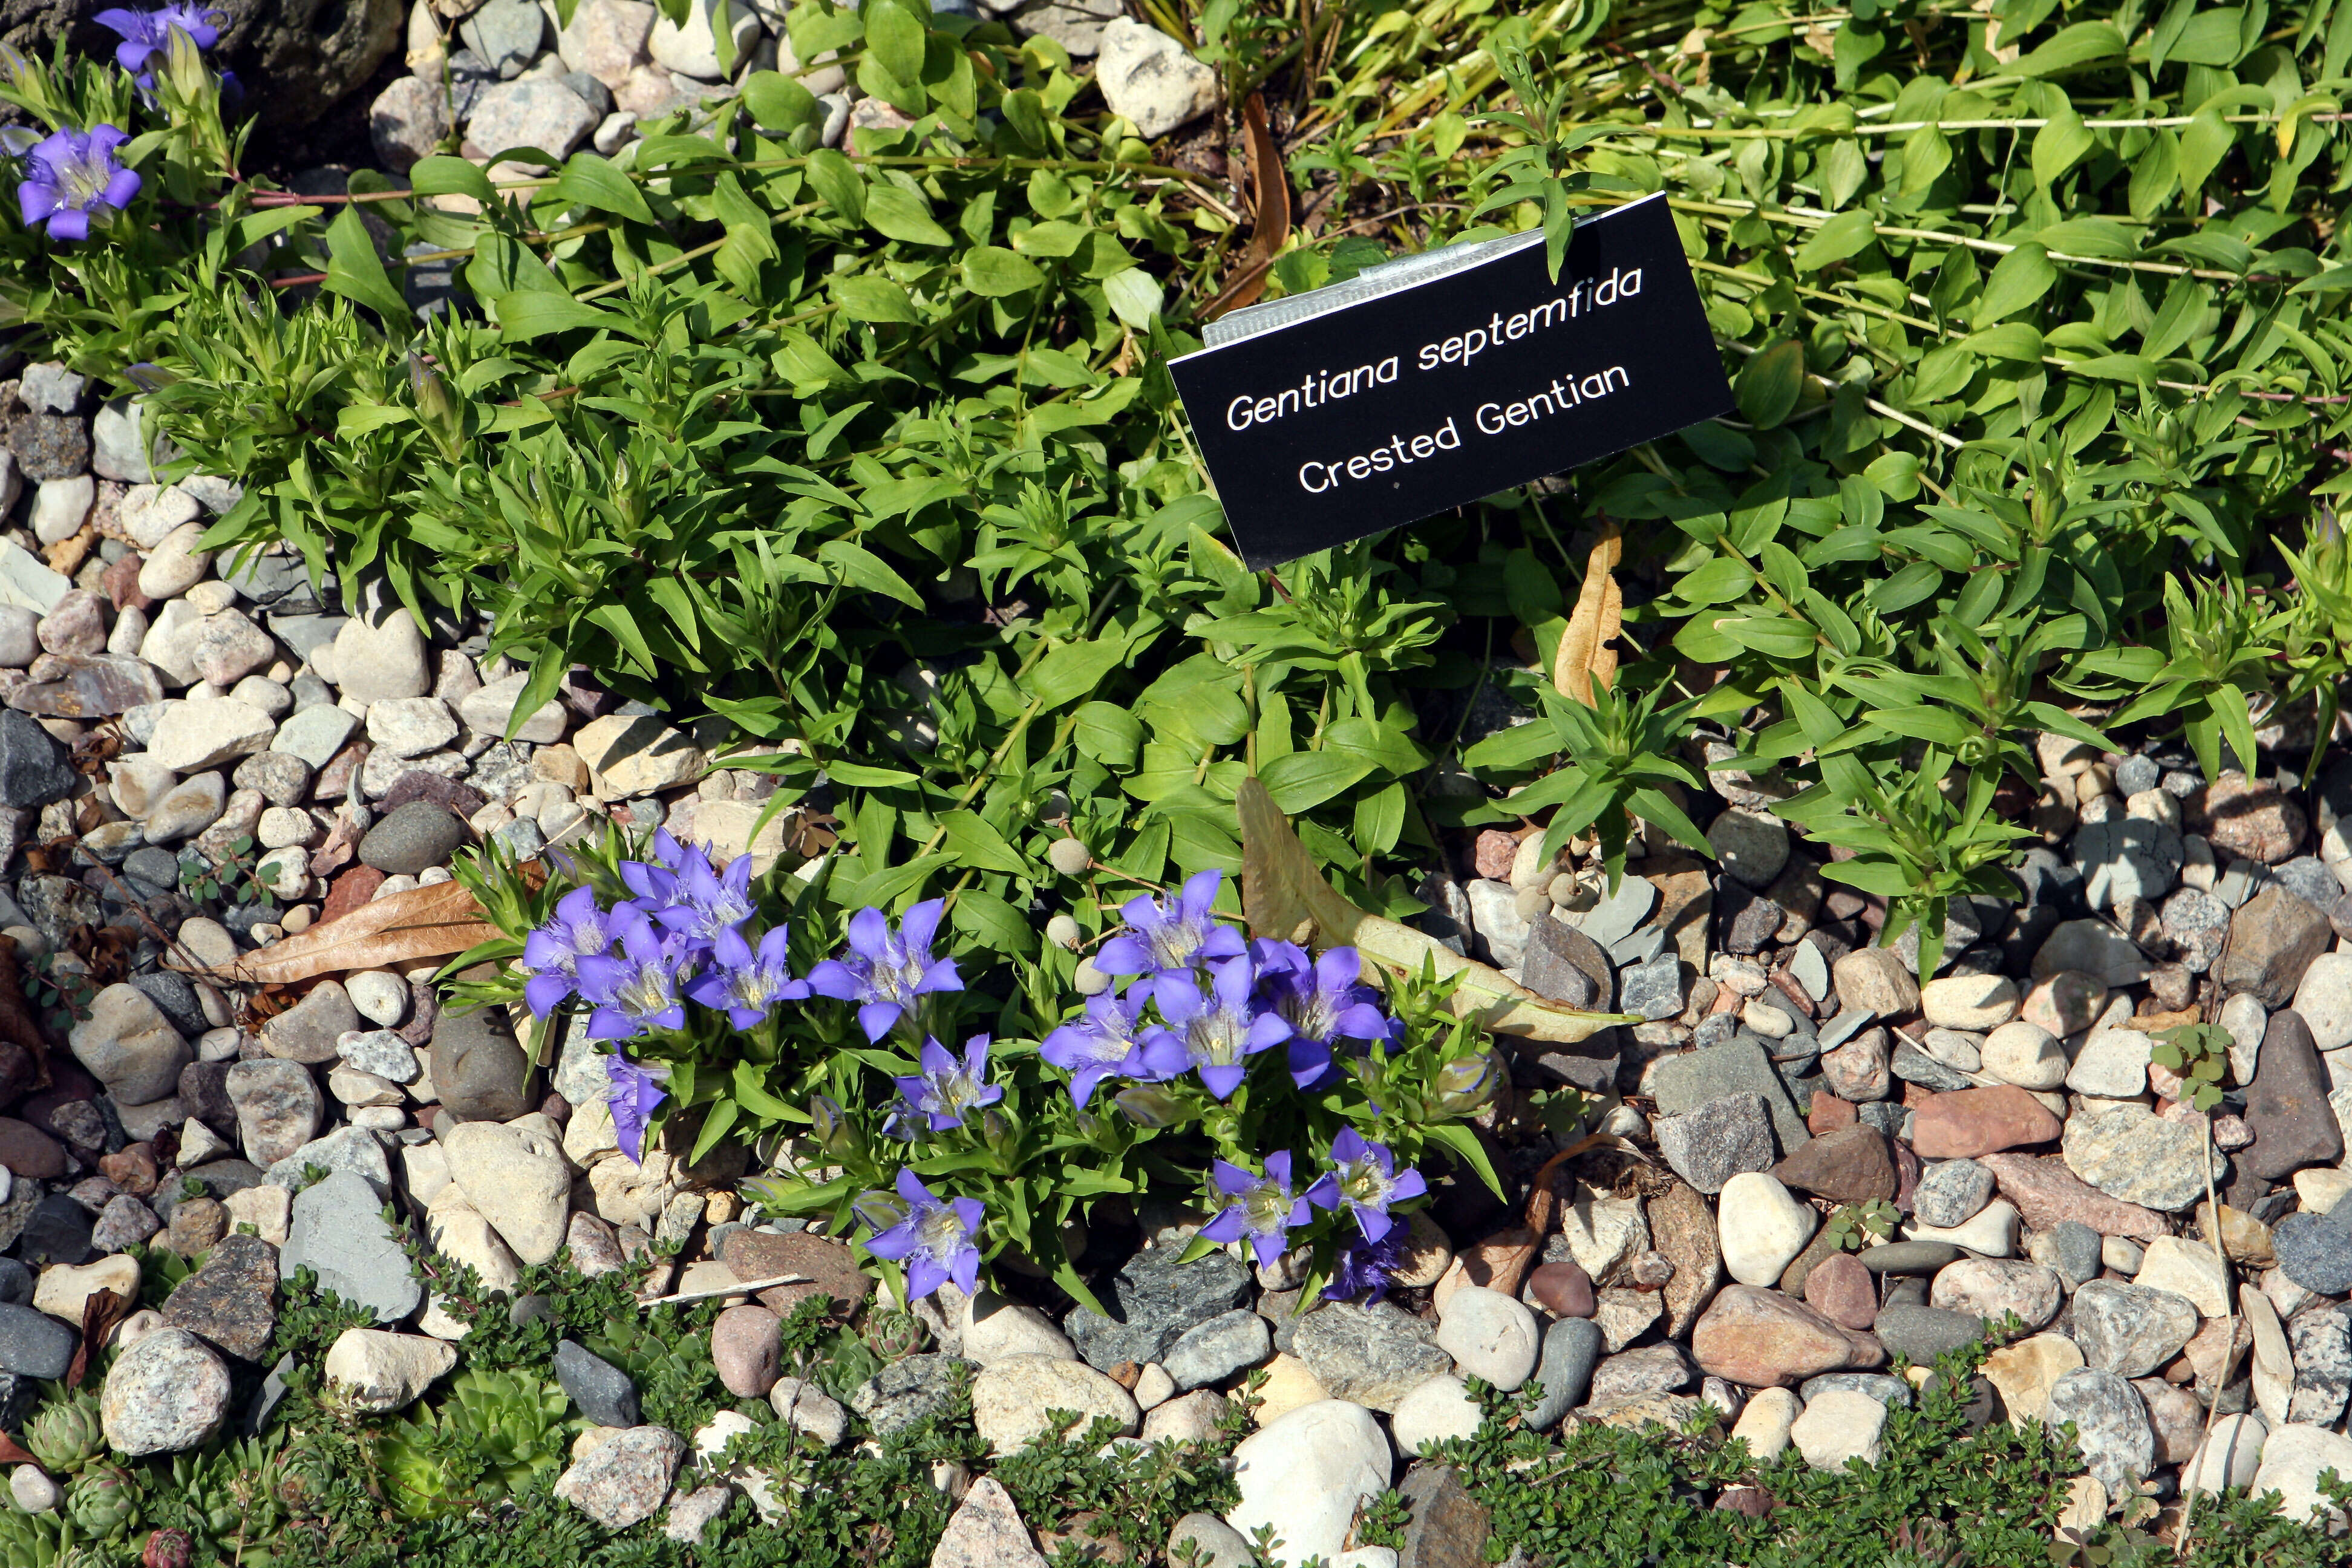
1260	1207
1364	1180
938	1241
1218	1028
72	177
747	981
946	1090
1174	935
885	972
635	987
578	929
633	1095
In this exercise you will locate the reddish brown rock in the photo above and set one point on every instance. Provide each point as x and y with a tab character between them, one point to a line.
2045	1191
1492	853
26	1151
1761	1339
1968	1122
1499	1262
349	891
1563	1289
132	1168
828	1265
1850	1165
745	1350
2257	820
1682	1228
120	582
334	780
1828	1113
1841	1289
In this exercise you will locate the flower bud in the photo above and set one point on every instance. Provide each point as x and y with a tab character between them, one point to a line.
1465	1084
1063	932
1148	1107
1070	856
828	1127
183	63
436	407
1090	981
879	1211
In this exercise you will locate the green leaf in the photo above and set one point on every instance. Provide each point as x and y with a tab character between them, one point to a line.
1303	780
899	213
1843	236
778	103
2018	281
1779	637
1134	296
2059	146
593	181
1844	168
1461	1141
442	175
2019	340
867	297
864	569
1769	383
2084	43
976	844
1110	734
895	39
835	179
356	273
994	272
1072	670
529	313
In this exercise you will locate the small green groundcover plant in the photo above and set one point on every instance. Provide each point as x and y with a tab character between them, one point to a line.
464	1478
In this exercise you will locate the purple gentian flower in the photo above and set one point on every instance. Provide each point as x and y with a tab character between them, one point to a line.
1364	1180
1323	1000
72	177
937	1240
1107	1041
1363	1265
655	880
635	1093
1161	937
1262	1207
578	929
887	970
747	981
707	901
1216	1028
149	33
635	988
945	1089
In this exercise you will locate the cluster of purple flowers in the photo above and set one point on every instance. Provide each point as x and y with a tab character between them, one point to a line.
1362	1181
684	937
74	178
1220	1000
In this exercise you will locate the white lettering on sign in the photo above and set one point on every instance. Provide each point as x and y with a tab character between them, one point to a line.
1589	294
1318	477
1319	388
1494	418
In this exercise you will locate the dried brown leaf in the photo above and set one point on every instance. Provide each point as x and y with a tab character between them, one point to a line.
101	1310
423	923
1283	895
1585	655
1271	230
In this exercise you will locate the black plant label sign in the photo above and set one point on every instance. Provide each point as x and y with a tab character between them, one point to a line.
1431	383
